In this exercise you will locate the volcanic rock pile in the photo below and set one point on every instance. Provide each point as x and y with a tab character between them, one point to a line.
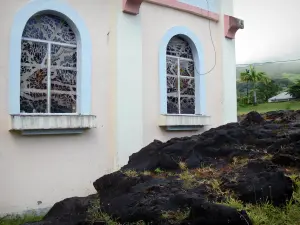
185	180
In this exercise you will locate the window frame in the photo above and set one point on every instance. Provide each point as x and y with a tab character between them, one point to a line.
198	57
84	53
49	45
179	77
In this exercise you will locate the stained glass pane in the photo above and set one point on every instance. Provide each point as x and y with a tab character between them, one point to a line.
187	86
172	93
33	79
179	47
172	105
63	79
186	68
187	105
172	66
172	85
50	28
63	91
34	66
63	56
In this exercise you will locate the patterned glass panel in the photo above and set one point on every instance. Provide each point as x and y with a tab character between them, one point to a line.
172	66
187	86
187	105
172	94
50	28
180	48
63	79
33	80
172	85
35	84
63	57
63	91
172	105
186	68
180	59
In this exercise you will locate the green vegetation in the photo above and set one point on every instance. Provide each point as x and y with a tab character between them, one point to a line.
267	214
95	214
292	77
130	173
255	87
176	217
17	219
266	107
294	90
253	77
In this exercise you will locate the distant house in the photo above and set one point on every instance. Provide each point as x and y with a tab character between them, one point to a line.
282	97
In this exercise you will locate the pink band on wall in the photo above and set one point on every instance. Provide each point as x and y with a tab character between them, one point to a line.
232	25
133	7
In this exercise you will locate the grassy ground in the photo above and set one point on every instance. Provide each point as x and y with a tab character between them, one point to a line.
266	107
266	214
17	220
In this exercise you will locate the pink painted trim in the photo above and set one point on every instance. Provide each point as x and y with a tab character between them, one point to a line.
133	7
232	25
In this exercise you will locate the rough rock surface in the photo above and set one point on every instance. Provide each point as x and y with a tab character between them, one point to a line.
185	180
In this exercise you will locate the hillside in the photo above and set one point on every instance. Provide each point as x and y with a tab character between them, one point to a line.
289	70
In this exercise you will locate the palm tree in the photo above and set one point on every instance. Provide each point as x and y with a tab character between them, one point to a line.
252	76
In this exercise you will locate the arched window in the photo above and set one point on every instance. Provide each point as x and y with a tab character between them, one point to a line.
180	77
48	81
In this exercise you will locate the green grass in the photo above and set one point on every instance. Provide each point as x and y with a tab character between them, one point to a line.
17	220
267	214
266	107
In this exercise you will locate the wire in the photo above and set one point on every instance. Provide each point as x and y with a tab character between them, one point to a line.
213	44
269	62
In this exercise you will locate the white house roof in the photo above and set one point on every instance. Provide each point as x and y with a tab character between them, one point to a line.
281	96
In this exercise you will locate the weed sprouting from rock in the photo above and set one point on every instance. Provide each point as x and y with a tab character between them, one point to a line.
95	214
176	217
130	173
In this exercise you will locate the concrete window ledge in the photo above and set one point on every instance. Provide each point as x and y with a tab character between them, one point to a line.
51	124
183	122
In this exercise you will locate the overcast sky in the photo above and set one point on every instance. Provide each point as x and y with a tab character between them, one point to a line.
272	30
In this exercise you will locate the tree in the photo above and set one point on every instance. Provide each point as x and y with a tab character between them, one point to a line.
267	90
294	90
252	76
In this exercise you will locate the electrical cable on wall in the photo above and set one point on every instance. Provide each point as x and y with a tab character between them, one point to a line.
212	42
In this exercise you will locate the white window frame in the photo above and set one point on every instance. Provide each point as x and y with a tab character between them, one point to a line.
49	66
198	57
84	53
179	77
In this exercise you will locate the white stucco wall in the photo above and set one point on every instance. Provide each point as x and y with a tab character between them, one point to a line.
228	69
129	86
153	30
51	168
125	99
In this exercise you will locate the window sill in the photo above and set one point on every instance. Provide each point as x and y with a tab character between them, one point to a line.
52	124
183	122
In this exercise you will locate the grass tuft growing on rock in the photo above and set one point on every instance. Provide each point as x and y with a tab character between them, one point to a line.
176	217
147	173
267	214
182	165
95	214
130	173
